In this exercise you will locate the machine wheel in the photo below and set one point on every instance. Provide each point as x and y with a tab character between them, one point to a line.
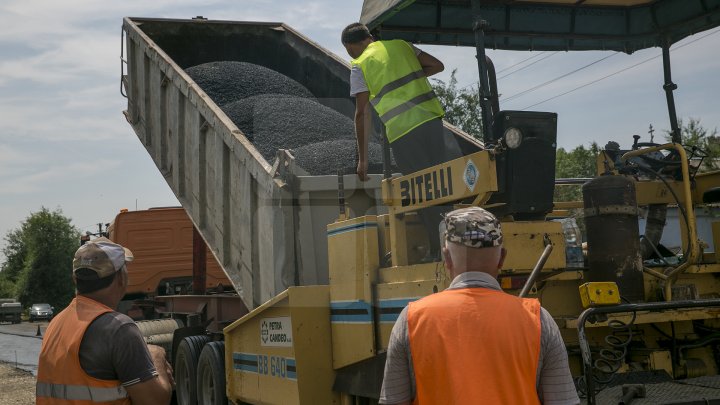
186	361
211	375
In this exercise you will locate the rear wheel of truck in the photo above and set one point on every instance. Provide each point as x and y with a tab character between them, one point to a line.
211	375
186	361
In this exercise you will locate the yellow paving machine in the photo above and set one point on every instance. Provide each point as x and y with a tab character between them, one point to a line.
640	323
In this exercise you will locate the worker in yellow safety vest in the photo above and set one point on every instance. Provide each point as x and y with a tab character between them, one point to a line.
92	354
391	76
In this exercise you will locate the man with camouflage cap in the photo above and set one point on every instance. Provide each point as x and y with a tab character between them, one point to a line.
90	353
473	343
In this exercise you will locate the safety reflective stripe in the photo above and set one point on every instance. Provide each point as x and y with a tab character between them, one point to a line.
406	106
396	85
80	392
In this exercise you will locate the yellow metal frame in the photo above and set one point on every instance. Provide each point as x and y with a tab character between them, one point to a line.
353	260
297	373
468	176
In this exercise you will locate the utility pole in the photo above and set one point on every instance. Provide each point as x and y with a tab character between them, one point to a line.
651	132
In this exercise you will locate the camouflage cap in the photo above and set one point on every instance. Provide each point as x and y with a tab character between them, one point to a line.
473	227
102	256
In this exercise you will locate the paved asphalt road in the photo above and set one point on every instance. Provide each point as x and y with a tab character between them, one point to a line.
18	344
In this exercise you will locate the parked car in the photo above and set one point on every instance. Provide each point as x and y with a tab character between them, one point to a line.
41	311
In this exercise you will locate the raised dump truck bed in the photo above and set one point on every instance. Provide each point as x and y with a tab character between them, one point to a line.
264	221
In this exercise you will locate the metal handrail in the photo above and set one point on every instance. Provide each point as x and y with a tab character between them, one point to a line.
694	245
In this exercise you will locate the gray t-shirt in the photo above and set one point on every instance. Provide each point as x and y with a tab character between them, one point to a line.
554	382
357	80
113	349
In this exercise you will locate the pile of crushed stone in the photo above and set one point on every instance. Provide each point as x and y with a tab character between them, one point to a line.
276	112
230	81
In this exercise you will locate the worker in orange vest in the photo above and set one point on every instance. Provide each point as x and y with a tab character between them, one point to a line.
473	343
90	353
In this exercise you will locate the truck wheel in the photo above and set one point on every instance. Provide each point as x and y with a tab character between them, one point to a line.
186	361
211	375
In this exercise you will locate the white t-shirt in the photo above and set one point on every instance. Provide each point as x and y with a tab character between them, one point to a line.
357	80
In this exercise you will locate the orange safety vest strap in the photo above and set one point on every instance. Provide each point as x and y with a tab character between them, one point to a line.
474	345
79	392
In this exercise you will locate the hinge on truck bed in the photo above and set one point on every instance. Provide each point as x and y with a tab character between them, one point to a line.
284	164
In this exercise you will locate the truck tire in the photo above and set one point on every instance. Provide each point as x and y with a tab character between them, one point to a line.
211	375
186	361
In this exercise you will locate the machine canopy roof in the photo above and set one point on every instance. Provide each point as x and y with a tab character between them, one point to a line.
619	25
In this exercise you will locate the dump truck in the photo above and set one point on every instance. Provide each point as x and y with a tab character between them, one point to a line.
163	244
10	310
325	264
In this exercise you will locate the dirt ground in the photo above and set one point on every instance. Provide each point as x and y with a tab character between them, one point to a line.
17	386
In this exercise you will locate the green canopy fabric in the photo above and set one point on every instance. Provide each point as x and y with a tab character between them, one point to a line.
619	25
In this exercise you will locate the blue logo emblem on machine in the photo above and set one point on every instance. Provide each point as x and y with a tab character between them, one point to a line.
470	176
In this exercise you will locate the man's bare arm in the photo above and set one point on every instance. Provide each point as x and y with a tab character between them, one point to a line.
362	125
157	390
430	64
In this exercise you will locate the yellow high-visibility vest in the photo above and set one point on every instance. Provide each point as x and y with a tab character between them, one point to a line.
399	90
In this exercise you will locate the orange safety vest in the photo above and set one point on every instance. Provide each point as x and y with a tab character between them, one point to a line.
61	379
474	345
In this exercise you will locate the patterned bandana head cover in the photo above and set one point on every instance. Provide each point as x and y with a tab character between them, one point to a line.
473	227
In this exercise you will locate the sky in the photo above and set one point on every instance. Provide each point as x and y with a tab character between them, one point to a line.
64	143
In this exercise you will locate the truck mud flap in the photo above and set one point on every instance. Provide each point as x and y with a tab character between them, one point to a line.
363	379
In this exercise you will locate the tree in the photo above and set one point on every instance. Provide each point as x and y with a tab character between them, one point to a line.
38	258
14	252
10	270
462	105
707	143
579	162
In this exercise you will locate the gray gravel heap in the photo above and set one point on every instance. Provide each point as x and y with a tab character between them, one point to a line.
329	157
275	112
276	121
229	81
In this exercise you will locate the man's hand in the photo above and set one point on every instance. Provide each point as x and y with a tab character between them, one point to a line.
156	390
161	364
362	168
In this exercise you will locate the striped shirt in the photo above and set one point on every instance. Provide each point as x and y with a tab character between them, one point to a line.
554	382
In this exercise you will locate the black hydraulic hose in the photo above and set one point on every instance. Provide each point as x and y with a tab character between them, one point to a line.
677	200
656	217
623	308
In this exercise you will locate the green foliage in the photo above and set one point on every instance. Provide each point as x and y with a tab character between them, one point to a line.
38	259
7	288
462	105
708	142
14	252
579	162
